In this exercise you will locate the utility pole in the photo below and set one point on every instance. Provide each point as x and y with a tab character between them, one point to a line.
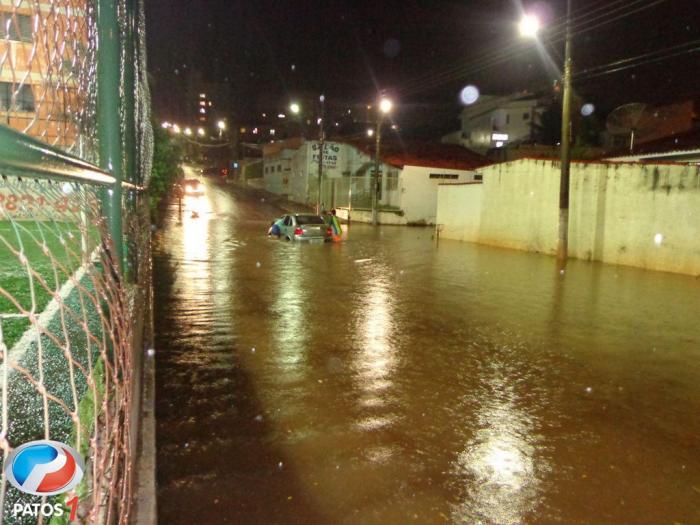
376	180
563	243
321	149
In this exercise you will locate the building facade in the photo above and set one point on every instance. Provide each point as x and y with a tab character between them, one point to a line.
408	183
44	75
495	122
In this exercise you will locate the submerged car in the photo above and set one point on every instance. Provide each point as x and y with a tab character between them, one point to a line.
305	227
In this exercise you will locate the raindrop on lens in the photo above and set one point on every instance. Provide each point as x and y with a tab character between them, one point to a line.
587	110
392	48
469	95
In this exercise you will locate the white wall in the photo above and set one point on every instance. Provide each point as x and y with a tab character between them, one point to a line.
277	170
419	192
459	210
616	212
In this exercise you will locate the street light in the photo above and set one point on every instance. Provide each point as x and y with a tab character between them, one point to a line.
166	124
294	108
529	27
176	129
222	127
188	131
385	107
200	132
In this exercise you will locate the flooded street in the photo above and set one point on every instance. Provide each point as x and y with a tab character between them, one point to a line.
393	379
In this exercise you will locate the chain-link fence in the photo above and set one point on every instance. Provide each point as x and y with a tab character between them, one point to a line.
72	307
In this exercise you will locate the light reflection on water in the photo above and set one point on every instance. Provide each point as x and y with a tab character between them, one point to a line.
497	465
290	323
376	358
430	383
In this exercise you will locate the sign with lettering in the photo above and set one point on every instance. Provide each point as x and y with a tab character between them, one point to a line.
331	154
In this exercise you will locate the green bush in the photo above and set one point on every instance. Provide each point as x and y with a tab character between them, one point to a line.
167	157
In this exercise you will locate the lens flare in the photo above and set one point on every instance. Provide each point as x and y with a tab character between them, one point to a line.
469	95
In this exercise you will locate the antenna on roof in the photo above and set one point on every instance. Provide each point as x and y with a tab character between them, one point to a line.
630	119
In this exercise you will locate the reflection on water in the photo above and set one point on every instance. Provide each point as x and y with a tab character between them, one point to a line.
497	466
398	380
290	324
376	358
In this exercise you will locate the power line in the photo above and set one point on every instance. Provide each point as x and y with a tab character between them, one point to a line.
627	63
580	25
556	31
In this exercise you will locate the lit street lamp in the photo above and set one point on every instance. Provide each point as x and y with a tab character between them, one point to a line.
188	131
385	107
529	27
200	132
222	127
294	108
176	129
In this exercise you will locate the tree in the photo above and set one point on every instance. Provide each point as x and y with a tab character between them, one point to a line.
167	156
548	130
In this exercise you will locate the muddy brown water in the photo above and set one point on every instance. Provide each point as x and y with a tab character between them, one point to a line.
393	379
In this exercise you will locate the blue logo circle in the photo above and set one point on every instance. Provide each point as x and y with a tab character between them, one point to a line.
44	468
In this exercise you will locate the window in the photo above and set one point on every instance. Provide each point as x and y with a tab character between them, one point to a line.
507	119
23	98
526	116
309	219
287	220
392	182
478	176
444	176
17	27
279	167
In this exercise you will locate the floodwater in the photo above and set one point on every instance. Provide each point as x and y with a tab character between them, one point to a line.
393	379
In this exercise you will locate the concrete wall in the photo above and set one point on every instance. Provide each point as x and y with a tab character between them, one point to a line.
384	217
459	210
419	192
641	215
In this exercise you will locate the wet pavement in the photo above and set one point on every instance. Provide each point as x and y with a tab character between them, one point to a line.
394	379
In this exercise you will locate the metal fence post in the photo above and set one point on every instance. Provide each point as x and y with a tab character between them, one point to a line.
130	64
108	121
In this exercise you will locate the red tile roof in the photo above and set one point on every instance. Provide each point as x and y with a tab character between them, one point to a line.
424	154
681	141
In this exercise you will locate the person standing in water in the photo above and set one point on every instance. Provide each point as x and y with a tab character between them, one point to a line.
334	223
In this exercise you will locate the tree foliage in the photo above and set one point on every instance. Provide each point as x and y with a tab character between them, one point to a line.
167	157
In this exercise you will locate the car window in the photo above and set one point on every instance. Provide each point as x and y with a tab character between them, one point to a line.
309	219
287	220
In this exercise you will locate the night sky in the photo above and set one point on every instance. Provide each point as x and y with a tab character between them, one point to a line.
422	52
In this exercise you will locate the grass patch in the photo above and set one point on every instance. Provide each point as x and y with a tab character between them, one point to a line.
52	250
